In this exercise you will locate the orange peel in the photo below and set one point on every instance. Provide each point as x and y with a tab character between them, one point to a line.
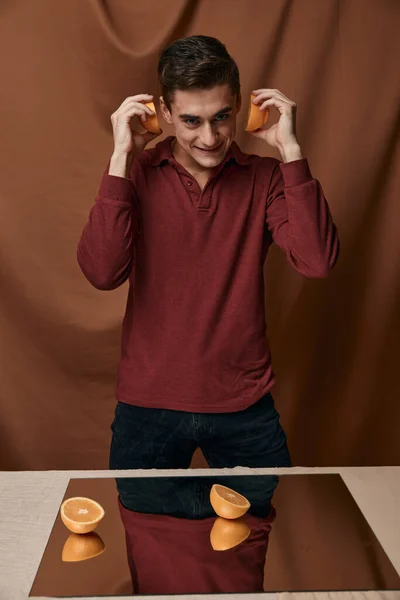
226	533
256	118
151	123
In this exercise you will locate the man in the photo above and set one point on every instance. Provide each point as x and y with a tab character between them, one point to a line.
189	223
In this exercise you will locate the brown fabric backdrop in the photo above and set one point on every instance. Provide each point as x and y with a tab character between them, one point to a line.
65	67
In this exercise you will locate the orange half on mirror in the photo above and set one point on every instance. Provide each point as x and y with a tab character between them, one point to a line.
81	515
228	503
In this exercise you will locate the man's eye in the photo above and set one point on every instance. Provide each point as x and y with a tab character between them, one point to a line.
222	117
191	121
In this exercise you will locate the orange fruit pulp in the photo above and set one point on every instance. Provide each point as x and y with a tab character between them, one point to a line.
81	515
227	503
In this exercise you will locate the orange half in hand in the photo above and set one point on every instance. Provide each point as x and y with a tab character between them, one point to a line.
151	123
81	515
256	117
227	503
226	534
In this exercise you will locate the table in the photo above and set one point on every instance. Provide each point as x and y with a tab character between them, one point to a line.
29	503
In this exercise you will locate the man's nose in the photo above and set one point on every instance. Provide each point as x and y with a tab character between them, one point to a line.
208	137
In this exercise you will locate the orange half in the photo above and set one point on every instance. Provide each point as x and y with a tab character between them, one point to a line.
82	547
226	534
227	503
81	515
151	123
256	118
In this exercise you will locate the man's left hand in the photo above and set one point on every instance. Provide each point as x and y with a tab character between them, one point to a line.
282	135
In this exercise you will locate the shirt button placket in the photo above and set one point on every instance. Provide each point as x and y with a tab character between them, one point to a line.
191	192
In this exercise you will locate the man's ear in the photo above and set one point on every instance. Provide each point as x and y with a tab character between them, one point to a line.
165	112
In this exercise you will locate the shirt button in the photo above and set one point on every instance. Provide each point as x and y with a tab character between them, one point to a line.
190	183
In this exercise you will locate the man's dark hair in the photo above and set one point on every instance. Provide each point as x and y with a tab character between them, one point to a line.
198	61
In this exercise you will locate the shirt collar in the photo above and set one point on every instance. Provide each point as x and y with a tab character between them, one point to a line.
163	153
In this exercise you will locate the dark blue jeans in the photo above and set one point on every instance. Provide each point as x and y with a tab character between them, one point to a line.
147	438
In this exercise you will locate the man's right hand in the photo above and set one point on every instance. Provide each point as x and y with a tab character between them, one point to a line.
128	143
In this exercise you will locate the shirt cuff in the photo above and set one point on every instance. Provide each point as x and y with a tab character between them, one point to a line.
296	172
116	188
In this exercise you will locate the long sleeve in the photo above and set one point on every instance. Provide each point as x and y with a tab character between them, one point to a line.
299	219
105	250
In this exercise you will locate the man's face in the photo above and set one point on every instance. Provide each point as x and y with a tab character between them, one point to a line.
205	124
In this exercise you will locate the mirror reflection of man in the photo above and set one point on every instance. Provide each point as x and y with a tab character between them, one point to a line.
189	224
169	525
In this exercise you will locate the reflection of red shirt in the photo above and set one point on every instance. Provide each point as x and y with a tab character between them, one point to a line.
167	555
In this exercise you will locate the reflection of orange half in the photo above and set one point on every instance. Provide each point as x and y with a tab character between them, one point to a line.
82	547
81	515
256	117
151	123
228	533
227	503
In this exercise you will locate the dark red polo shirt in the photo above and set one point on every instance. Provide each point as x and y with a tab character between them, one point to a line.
194	332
